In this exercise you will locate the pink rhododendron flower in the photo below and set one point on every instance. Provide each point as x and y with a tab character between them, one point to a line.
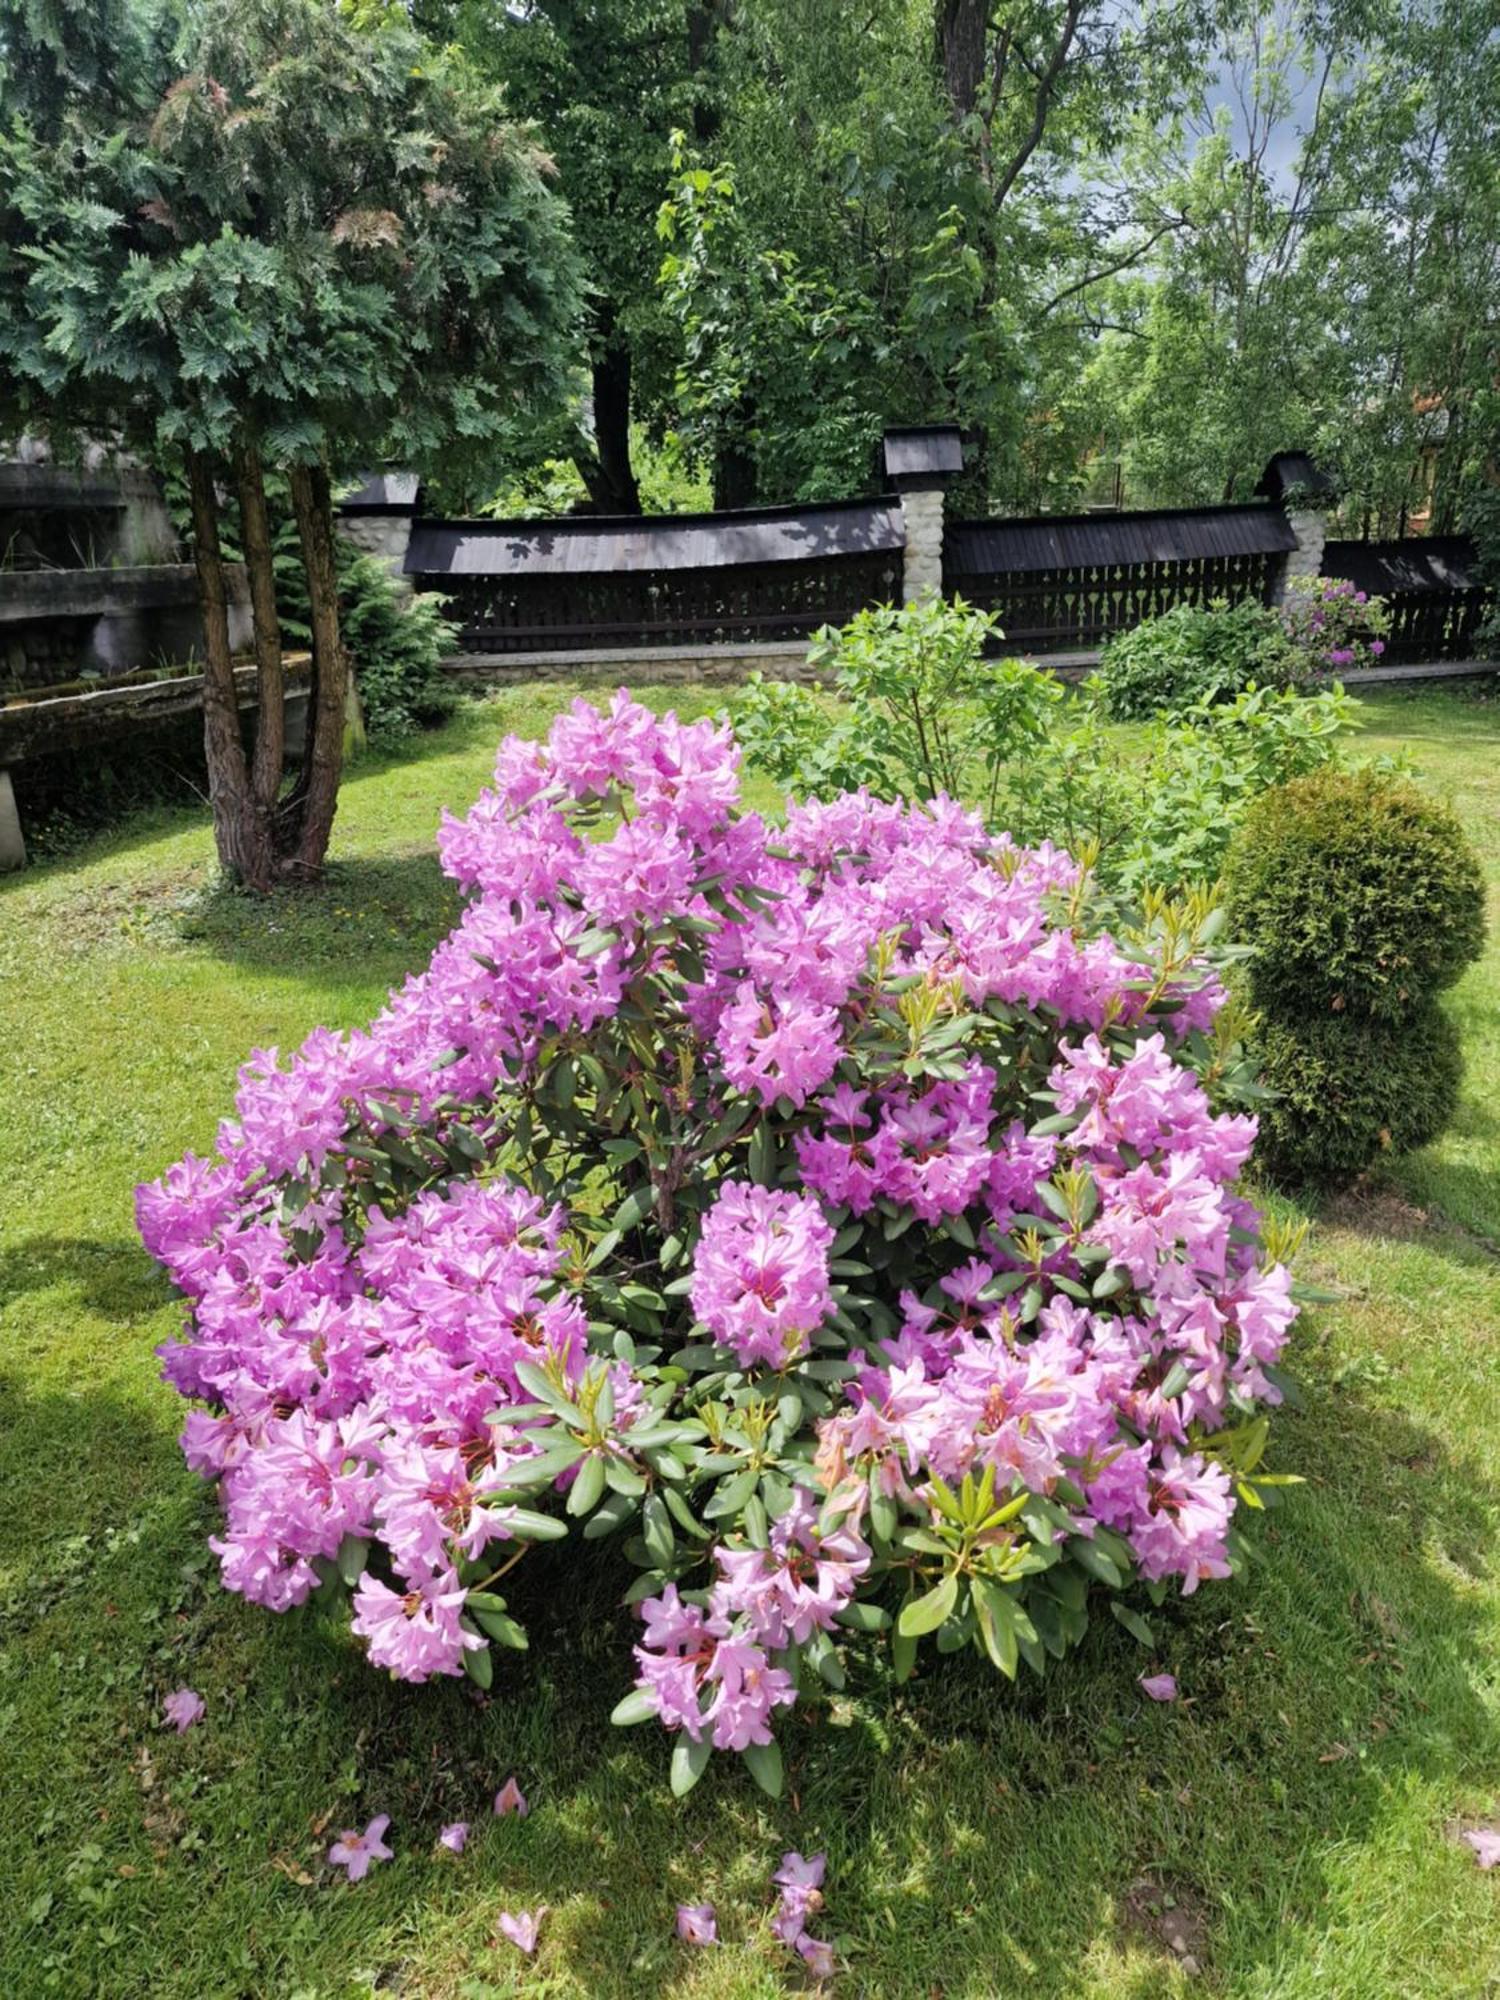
355	1852
183	1708
909	1178
696	1923
760	1282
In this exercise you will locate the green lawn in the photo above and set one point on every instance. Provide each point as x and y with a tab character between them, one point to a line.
1291	1821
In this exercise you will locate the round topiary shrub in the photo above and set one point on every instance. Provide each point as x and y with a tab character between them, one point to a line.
1353	892
1349	1089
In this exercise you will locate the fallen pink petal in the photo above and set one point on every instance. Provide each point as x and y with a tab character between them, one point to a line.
521	1927
183	1708
697	1924
356	1851
511	1799
818	1956
1486	1845
455	1836
1160	1687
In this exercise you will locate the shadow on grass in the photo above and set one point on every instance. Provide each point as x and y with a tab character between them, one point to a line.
378	916
982	1839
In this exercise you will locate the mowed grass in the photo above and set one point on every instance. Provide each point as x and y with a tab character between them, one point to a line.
1288	1829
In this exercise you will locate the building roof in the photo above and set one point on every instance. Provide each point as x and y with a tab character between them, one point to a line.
1427	562
1092	541
586	543
1293	472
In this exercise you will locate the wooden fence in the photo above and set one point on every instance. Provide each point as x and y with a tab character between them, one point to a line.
1061	583
1431	590
680	580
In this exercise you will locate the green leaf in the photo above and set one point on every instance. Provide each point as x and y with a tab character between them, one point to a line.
689	1762
926	1613
500	1626
765	1766
656	1526
588	1488
479	1665
528	1526
636	1707
353	1550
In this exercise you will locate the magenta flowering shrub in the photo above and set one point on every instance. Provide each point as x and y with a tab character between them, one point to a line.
1331	626
832	1212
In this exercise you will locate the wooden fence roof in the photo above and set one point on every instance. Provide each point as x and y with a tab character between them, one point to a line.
590	543
1099	541
1428	562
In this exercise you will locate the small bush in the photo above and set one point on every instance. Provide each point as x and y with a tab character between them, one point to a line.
1192	654
1352	891
395	641
1349	1089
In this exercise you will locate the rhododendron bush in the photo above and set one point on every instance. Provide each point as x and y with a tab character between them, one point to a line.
831	1211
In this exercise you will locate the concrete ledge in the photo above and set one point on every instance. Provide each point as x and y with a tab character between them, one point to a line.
33	728
33	594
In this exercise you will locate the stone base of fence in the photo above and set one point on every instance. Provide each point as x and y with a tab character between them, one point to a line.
723	666
620	666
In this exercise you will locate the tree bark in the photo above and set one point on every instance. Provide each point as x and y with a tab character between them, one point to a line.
270	725
734	466
239	832
961	29
315	797
607	471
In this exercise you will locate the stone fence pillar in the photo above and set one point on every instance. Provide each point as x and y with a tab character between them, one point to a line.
1311	530
920	463
377	517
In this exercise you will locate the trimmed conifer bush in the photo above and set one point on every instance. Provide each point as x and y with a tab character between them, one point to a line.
1349	1089
1353	891
1360	899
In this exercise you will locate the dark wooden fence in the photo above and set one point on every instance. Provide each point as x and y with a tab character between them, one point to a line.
1431	590
1059	583
681	580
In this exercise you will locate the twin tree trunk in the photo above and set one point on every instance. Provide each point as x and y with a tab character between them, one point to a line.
262	836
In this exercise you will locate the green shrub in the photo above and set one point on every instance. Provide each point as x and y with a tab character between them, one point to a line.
395	641
1352	891
1348	1090
1193	654
925	712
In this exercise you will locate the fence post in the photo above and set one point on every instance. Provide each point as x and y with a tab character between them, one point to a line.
919	463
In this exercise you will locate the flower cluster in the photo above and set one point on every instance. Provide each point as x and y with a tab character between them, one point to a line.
836	1211
1334	624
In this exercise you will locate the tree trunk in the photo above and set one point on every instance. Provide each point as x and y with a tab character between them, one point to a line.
270	726
239	831
961	27
607	471
734	466
315	797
